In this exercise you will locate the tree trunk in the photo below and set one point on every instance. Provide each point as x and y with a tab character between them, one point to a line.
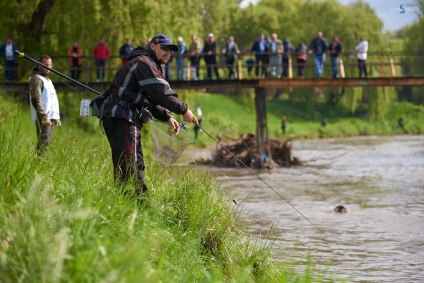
33	31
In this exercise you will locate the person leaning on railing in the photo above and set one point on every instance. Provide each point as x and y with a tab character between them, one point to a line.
301	56
75	56
361	54
335	48
194	52
260	49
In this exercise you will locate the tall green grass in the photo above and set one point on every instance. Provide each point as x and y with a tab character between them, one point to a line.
62	219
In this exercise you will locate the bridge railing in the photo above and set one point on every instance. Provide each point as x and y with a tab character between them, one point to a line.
379	64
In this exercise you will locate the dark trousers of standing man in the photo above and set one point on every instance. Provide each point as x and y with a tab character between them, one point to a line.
362	68
44	135
75	71
285	66
300	67
10	69
261	61
101	66
211	64
127	154
230	66
195	64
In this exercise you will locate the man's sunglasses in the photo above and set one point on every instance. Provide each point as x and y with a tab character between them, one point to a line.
166	48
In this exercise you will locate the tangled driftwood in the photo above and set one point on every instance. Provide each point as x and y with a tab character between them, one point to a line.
278	153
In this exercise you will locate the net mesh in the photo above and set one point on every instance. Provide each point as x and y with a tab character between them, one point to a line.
168	147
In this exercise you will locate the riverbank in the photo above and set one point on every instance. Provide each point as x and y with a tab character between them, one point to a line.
65	220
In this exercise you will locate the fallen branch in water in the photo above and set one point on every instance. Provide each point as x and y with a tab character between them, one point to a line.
325	158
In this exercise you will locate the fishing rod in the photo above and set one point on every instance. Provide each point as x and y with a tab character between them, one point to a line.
269	186
23	55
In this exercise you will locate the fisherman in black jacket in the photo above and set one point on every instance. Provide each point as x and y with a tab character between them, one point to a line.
137	90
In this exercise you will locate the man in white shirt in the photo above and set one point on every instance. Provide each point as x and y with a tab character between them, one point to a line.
361	55
44	104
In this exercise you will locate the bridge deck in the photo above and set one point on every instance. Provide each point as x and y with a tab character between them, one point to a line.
21	87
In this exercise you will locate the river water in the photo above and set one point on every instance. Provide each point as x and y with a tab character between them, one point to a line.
380	180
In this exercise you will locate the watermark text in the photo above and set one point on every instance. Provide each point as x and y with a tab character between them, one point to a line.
402	9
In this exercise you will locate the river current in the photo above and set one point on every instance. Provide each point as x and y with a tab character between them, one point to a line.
380	180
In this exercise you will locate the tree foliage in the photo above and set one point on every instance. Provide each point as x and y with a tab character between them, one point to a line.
352	99
379	101
414	37
299	21
50	26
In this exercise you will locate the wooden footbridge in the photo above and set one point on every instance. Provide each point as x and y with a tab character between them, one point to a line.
385	69
382	73
22	87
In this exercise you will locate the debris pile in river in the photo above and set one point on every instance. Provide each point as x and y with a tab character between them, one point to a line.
279	153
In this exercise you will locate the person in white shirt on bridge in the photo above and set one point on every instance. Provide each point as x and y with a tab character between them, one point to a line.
361	55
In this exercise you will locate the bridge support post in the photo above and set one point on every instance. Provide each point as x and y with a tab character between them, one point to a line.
392	66
261	123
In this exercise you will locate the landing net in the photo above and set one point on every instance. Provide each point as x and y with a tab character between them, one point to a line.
168	147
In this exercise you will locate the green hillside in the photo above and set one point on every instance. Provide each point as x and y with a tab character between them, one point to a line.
230	116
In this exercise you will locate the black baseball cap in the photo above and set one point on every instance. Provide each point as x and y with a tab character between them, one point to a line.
164	40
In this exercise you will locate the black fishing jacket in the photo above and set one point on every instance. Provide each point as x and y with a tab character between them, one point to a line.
140	84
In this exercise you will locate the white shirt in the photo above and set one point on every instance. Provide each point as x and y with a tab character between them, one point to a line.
9	52
361	50
48	99
199	111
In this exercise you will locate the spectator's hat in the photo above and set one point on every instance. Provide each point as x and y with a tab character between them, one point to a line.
210	35
164	40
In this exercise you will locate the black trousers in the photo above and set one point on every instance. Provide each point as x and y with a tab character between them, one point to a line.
195	64
127	155
210	61
300	66
362	68
285	66
75	71
261	61
230	66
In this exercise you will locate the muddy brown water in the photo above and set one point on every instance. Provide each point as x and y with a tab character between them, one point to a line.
381	182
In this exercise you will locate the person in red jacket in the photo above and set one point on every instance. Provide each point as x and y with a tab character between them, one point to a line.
101	53
75	57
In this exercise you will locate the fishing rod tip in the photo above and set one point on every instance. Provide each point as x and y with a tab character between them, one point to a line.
20	54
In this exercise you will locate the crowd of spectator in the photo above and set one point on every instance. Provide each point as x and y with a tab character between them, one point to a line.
270	57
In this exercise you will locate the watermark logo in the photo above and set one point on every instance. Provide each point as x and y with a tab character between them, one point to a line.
402	9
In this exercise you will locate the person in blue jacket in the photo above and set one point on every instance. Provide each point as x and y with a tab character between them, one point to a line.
8	50
260	48
125	50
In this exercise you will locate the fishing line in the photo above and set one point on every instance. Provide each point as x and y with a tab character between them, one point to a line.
85	96
261	179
